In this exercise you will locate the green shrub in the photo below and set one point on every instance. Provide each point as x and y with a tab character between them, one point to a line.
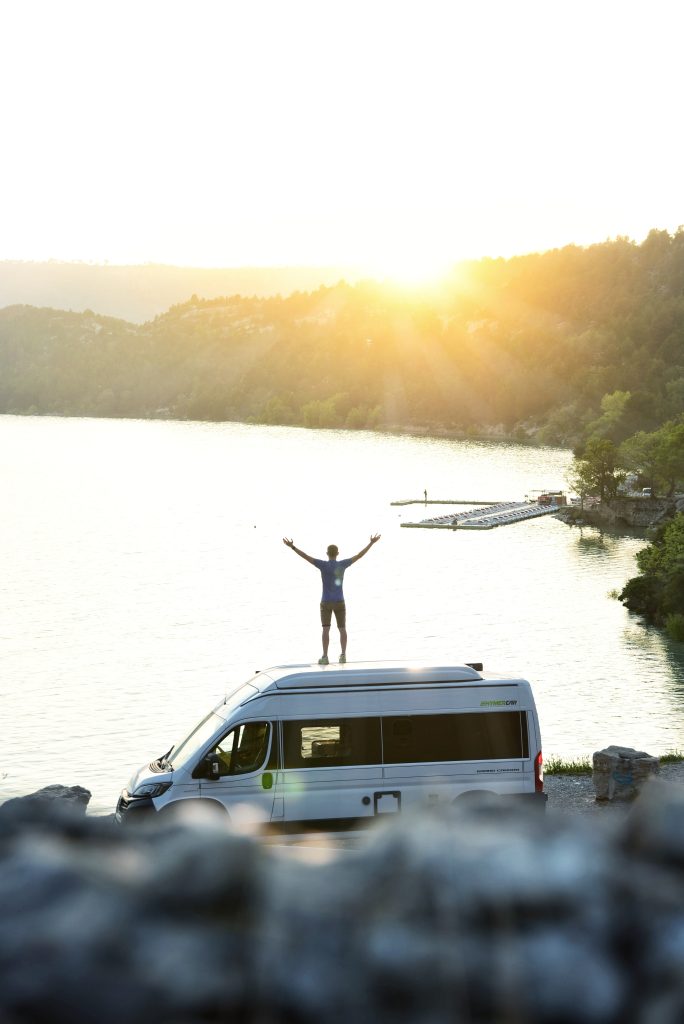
642	595
557	766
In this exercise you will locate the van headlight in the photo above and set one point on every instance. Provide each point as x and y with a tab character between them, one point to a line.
151	789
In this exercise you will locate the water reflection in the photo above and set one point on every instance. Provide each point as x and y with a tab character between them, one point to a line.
594	541
606	539
673	651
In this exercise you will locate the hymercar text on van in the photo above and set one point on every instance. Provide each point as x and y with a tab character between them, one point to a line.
304	748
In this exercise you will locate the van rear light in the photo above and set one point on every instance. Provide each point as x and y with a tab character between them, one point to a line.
539	773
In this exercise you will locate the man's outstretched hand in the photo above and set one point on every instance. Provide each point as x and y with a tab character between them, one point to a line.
288	543
375	538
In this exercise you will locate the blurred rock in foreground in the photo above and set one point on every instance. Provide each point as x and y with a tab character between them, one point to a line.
45	804
489	916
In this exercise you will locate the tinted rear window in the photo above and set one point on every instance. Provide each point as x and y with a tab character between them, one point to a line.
464	737
405	739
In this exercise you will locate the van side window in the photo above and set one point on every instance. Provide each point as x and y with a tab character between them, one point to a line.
409	739
244	748
332	742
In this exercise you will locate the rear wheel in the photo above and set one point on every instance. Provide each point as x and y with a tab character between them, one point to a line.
476	797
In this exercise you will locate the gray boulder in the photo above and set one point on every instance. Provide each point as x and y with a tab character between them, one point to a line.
75	796
619	773
51	802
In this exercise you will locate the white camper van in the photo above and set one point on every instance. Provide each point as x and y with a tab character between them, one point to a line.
303	747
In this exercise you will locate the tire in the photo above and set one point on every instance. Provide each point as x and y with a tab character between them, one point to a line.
192	813
476	797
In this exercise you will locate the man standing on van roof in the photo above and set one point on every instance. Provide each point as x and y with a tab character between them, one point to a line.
332	599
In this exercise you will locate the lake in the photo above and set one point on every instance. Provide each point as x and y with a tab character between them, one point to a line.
144	574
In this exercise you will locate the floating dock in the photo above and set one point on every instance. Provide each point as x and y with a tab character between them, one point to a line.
492	514
443	501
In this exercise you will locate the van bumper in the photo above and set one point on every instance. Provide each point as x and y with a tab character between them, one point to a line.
133	810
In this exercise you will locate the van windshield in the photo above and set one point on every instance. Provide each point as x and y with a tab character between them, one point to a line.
199	737
203	732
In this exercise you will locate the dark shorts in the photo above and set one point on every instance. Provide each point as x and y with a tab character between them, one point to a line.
340	610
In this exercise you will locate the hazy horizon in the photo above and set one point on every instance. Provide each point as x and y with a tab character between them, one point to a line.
333	265
139	292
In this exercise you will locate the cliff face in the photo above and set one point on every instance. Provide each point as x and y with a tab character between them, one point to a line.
638	512
635	513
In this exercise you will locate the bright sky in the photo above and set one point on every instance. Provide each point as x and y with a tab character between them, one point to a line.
398	136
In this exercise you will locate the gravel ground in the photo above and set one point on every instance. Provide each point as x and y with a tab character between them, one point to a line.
575	793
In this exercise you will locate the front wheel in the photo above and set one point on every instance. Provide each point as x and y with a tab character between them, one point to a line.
194	813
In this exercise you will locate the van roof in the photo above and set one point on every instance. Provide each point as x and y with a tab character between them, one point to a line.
377	673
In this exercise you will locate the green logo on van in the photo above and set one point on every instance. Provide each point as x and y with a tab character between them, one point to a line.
497	703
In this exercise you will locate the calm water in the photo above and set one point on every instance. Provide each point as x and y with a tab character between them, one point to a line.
144	571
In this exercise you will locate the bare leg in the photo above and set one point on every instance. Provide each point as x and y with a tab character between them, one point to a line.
343	640
326	640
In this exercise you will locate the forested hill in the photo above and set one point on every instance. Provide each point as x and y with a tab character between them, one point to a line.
140	292
554	345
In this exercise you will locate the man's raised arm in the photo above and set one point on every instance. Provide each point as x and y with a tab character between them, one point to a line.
374	539
302	554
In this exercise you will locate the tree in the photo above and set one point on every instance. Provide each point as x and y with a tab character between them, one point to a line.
671	454
657	592
579	479
595	470
658	457
613	408
640	453
276	410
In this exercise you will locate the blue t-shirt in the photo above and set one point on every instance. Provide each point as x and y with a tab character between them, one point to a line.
332	574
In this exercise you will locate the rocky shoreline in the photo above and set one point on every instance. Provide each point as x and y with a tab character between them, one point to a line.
633	513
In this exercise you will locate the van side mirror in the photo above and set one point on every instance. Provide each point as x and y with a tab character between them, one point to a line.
212	766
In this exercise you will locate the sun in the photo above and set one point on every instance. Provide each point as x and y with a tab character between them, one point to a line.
410	270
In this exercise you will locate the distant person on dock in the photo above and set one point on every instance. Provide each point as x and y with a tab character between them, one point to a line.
425	493
332	599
